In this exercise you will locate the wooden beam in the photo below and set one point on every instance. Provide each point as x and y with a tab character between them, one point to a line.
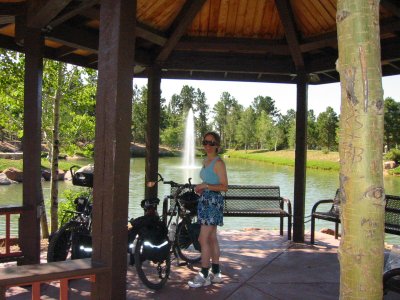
72	13
300	158
248	45
63	51
286	15
228	62
39	15
74	38
183	20
29	229
153	129
112	143
12	8
391	6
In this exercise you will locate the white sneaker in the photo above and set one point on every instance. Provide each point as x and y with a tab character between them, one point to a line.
199	281
216	278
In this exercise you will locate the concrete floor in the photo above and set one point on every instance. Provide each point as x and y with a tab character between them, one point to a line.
257	264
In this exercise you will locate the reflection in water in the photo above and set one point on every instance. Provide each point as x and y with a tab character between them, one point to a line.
319	185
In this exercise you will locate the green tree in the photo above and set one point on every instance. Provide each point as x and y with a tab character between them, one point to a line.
287	129
327	124
266	104
392	123
312	132
232	121
264	131
221	110
201	110
246	128
139	114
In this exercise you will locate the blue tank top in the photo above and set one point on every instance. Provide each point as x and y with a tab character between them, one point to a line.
208	175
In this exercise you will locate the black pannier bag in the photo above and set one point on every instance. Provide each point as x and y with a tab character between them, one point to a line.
83	176
154	233
81	245
189	201
194	233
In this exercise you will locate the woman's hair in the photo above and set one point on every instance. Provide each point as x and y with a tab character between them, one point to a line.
216	137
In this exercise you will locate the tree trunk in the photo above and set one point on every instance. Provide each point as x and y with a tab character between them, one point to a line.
43	217
55	151
360	148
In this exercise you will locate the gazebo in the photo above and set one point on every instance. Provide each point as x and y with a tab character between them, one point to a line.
279	41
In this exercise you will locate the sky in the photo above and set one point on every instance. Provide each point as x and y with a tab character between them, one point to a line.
284	95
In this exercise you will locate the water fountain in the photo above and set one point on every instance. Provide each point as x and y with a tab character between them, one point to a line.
188	150
188	163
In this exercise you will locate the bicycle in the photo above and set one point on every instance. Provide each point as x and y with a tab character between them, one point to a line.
183	208
151	239
74	237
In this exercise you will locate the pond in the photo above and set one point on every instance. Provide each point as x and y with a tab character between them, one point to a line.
319	185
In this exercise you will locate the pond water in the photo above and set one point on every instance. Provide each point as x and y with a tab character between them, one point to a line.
319	185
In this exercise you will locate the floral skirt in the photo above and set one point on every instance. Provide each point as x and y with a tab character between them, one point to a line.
210	208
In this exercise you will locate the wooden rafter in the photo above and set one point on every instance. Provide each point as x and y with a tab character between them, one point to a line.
73	12
286	15
184	18
40	16
392	6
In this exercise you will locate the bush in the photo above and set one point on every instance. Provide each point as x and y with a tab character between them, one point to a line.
394	155
68	204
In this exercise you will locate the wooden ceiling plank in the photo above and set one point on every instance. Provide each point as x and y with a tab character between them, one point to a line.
223	18
258	17
39	17
248	21
72	13
241	16
232	18
286	16
213	19
187	14
204	18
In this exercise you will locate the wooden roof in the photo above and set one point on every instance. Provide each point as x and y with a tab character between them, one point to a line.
246	40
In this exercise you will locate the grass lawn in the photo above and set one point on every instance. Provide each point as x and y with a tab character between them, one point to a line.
315	159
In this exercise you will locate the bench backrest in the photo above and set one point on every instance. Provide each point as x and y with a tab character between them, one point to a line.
252	197
247	197
392	214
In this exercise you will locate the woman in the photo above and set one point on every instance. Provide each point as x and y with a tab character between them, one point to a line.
210	210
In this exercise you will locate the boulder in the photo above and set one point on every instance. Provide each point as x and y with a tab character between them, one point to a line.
14	174
4	180
46	174
387	165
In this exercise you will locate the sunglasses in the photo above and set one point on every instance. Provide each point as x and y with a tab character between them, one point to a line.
211	143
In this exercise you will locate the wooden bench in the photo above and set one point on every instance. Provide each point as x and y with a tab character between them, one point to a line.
35	275
392	214
251	201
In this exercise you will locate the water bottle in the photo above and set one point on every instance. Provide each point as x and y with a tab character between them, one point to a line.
171	232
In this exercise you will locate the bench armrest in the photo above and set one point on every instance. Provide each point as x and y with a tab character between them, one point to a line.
288	204
314	208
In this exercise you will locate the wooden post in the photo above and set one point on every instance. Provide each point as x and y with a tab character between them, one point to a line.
29	228
300	159
112	142
153	129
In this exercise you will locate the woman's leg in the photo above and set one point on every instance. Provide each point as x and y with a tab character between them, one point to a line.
206	246
214	245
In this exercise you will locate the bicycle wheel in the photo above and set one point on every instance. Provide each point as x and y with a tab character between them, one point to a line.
60	243
186	244
153	274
